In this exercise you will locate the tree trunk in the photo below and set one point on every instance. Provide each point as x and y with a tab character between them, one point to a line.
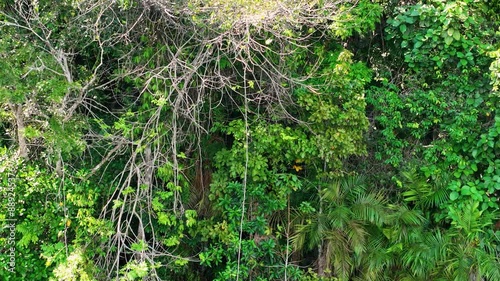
322	261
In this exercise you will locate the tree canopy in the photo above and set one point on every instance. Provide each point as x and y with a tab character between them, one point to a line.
249	140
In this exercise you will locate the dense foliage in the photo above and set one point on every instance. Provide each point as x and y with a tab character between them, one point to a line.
249	140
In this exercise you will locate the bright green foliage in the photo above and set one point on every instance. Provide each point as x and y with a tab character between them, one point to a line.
357	18
436	123
259	172
49	213
336	108
272	151
438	250
250	140
441	35
446	105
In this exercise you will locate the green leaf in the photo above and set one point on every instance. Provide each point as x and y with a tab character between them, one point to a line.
140	246
448	40
117	203
410	20
465	190
474	167
474	153
454	196
402	28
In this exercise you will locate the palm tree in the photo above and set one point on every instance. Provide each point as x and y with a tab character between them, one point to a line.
461	245
473	252
463	251
340	230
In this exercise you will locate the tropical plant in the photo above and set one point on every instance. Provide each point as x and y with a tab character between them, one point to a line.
340	228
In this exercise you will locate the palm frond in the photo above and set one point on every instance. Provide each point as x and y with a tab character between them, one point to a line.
402	215
425	253
338	217
339	253
427	193
333	192
357	235
489	265
470	220
307	236
404	223
369	207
